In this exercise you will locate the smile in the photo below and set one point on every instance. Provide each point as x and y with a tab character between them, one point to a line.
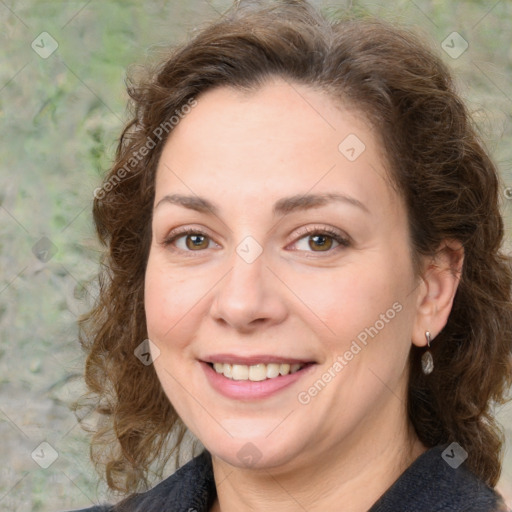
254	381
256	372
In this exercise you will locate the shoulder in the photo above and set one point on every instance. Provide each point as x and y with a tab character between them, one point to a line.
192	487
438	482
96	508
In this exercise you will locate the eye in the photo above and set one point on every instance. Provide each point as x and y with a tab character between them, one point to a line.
320	240
188	240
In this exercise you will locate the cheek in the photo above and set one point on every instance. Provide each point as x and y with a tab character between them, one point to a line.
343	303
169	298
367	320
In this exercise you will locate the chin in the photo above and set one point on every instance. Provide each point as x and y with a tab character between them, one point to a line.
257	452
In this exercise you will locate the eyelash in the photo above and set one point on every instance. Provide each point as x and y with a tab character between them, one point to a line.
304	232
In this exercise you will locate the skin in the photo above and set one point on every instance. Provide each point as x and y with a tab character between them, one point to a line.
243	152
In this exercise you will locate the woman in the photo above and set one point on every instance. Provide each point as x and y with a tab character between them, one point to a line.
304	272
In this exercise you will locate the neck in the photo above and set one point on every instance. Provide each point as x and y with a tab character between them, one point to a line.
356	473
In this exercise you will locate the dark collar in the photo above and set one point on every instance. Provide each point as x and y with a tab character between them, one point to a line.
429	484
436	481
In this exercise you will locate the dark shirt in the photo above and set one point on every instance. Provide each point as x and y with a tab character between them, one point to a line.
430	484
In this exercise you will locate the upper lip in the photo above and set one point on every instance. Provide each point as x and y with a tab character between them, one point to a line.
253	360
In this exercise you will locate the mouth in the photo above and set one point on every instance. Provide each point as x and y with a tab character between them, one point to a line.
252	378
257	372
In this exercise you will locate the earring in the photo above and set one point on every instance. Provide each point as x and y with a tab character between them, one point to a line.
427	361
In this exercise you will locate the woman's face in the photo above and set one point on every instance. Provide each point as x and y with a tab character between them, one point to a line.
298	254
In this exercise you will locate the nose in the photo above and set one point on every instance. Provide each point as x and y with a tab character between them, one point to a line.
250	295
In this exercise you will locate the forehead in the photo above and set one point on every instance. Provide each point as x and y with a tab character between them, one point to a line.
280	138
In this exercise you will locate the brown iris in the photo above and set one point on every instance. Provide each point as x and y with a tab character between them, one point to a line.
324	241
197	241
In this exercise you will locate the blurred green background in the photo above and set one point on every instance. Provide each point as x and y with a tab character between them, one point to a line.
61	114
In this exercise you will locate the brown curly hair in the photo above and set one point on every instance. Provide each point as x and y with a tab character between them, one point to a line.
435	160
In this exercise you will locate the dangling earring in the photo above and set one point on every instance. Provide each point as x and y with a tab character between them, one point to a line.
427	361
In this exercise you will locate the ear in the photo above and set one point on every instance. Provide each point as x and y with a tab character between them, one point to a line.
440	279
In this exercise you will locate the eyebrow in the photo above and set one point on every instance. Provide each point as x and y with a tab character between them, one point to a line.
281	207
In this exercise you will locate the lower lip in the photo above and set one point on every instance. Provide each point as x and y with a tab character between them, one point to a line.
249	390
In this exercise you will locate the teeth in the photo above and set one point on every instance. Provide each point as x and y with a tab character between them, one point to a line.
272	370
284	369
228	370
256	372
240	372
